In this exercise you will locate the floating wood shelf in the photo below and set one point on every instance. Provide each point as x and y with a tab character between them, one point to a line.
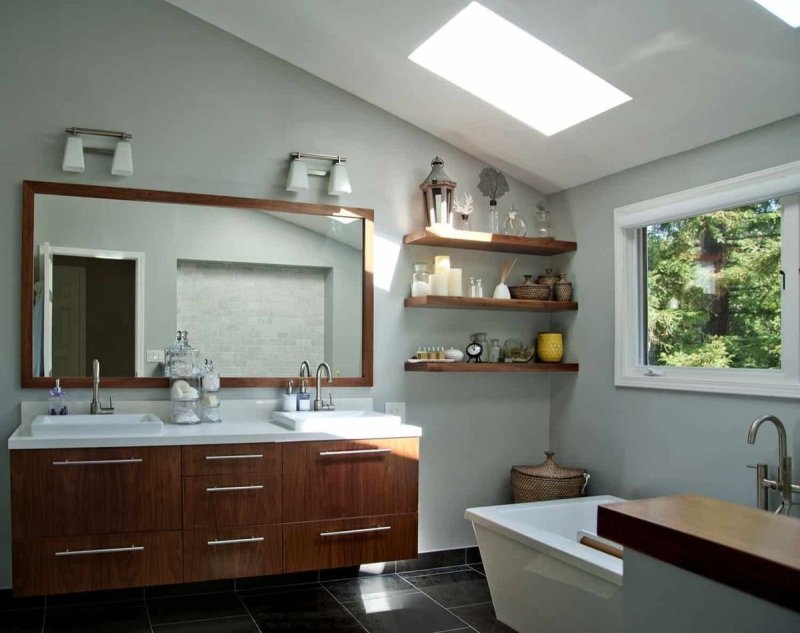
476	241
492	367
488	303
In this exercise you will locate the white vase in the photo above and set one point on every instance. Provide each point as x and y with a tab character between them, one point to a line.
501	292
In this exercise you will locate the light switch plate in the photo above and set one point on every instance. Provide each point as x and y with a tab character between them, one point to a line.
396	408
155	356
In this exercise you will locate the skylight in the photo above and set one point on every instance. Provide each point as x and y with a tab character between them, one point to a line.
786	10
501	64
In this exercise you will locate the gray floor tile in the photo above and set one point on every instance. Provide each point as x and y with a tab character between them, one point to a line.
115	618
432	560
23	621
455	588
403	613
197	607
482	618
300	611
241	624
363	588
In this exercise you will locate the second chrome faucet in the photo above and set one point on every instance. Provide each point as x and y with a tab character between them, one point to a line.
783	483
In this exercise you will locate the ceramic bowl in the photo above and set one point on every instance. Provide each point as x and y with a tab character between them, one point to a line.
454	354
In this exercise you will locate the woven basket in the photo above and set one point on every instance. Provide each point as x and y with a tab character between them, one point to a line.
531	291
547	481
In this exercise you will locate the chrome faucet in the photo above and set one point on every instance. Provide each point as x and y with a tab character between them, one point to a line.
319	403
305	369
783	483
97	408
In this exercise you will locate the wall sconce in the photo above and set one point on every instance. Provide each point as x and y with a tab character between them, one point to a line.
339	180
121	165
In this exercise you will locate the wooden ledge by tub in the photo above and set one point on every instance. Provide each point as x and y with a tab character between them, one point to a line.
742	547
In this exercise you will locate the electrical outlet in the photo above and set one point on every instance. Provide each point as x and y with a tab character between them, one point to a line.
396	408
155	356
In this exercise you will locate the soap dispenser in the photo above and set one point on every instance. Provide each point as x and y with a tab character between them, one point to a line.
57	400
289	398
303	398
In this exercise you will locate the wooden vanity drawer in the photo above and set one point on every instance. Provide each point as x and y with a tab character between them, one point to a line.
67	492
49	565
340	479
343	543
231	500
232	552
231	459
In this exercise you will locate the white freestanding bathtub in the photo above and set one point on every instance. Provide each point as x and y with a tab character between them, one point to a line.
540	577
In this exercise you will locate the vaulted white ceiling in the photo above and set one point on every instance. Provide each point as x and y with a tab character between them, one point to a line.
698	71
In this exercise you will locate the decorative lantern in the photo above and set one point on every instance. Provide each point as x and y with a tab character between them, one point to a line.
437	191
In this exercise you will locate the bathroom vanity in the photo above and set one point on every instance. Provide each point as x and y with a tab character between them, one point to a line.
207	502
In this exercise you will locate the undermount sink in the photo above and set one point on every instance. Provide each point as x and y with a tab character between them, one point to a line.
332	420
116	424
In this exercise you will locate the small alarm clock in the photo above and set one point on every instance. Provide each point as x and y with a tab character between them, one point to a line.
474	351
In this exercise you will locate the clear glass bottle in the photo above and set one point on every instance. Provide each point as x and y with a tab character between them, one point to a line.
420	280
542	226
479	288
494	217
494	350
514	224
472	287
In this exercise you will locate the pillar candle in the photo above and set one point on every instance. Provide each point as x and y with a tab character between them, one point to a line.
439	285
441	265
454	287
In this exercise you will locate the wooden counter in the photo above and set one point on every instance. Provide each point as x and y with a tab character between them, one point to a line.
745	548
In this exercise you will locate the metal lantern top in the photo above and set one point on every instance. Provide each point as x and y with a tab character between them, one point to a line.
437	175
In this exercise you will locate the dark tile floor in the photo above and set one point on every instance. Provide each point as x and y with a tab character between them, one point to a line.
454	598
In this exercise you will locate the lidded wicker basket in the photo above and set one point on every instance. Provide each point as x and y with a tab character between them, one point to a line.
547	481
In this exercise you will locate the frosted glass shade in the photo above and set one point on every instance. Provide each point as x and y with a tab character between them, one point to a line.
298	176
123	159
73	154
339	181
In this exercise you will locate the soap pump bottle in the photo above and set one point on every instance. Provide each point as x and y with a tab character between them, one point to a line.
303	398
57	400
289	398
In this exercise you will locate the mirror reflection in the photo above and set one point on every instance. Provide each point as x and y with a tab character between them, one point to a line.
257	291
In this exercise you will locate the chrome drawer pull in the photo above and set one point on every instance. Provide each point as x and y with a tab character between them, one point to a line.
213	457
94	462
230	488
110	550
233	541
380	528
361	451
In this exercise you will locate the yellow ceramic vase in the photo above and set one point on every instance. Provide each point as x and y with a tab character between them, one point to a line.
550	347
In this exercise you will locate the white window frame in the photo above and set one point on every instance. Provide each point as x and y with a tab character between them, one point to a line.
630	282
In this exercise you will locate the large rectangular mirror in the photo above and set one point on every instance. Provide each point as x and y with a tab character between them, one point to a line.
259	285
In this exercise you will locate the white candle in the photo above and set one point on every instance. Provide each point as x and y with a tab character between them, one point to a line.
454	287
441	265
437	205
439	285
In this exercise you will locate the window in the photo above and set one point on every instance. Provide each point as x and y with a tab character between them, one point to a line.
708	287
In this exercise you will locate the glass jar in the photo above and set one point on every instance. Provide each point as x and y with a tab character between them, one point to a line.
183	361
494	217
494	350
542	226
420	280
514	224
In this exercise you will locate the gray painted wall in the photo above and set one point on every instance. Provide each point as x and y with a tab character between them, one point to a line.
212	114
646	442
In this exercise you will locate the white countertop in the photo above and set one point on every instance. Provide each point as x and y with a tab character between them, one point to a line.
248	423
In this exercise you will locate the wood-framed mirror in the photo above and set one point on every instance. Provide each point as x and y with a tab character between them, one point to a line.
260	285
